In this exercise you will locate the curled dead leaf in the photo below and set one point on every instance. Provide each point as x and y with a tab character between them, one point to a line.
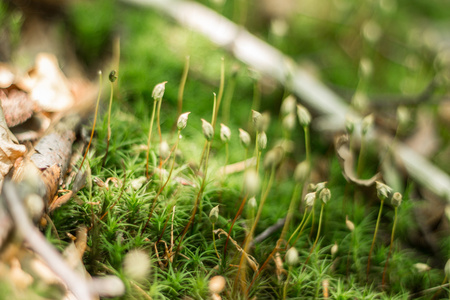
346	160
10	150
60	201
17	107
49	86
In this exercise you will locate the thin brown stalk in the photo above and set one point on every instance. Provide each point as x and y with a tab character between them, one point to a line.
95	118
374	238
283	233
109	124
241	207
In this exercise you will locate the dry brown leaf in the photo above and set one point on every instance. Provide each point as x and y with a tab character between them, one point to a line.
49	87
17	107
10	150
60	201
346	160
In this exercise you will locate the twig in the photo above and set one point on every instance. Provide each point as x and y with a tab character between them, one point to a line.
237	167
269	231
75	283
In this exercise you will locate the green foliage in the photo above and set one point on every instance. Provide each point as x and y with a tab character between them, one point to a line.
153	51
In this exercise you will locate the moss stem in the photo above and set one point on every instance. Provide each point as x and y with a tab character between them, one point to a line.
214	242
197	200
165	183
390	248
249	237
95	118
374	238
307	144
149	139
239	212
109	124
317	236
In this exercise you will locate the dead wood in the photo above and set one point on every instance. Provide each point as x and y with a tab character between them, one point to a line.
12	204
39	244
269	231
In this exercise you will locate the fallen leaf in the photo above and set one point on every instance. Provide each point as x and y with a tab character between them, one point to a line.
346	160
10	150
49	87
60	201
17	107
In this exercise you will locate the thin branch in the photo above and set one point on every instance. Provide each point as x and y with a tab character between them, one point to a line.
75	283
